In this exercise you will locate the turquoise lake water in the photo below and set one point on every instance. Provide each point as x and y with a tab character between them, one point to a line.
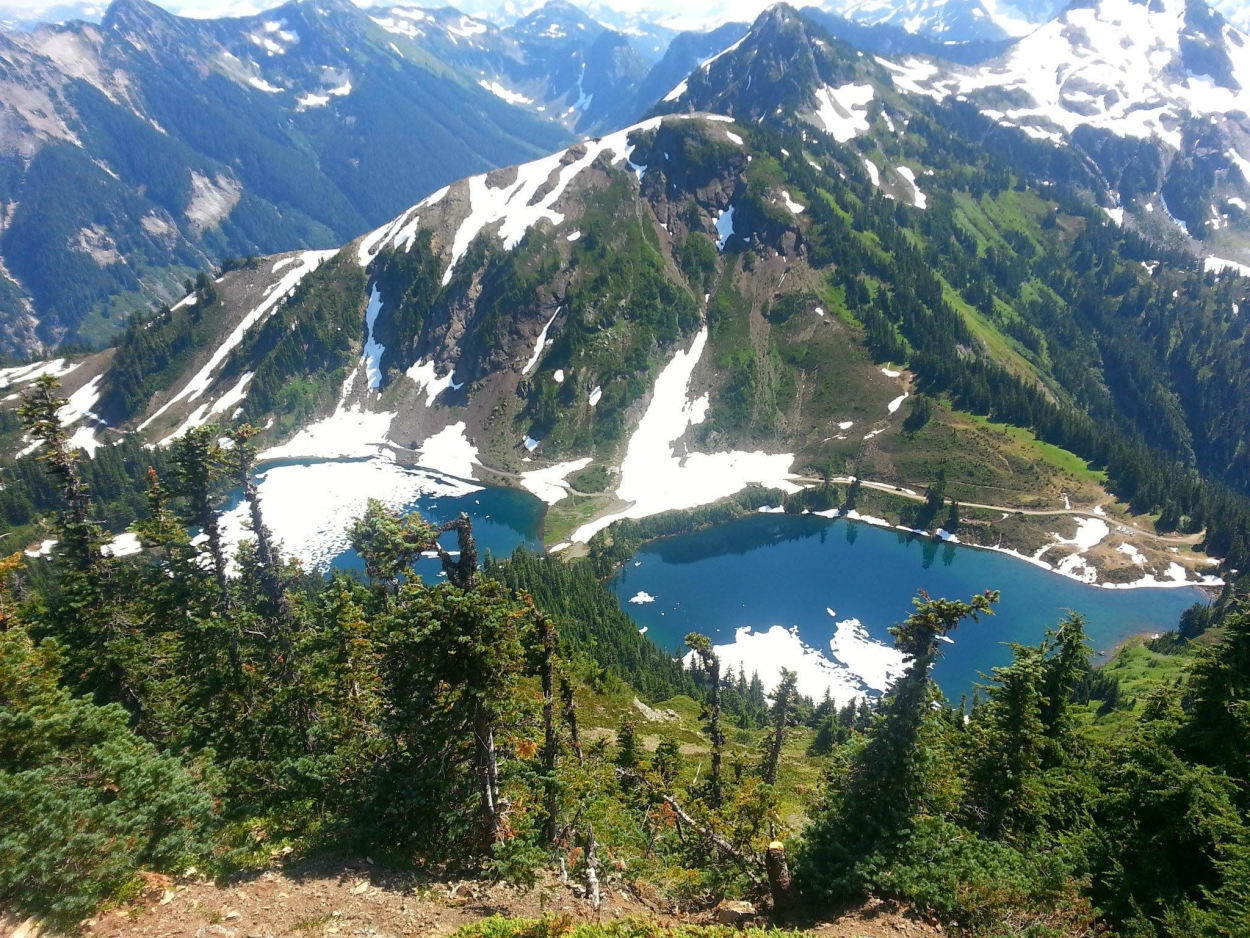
769	570
503	520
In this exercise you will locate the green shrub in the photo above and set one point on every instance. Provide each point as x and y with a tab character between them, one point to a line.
84	802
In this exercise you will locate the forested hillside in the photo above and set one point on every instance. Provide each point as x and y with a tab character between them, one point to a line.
181	707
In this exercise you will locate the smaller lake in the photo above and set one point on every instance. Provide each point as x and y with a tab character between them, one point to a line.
503	520
310	504
794	571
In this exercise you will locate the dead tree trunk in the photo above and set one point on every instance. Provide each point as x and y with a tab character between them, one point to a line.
750	862
486	767
570	716
701	645
592	869
461	571
551	742
779	882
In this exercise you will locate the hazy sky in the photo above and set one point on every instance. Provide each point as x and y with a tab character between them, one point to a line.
690	13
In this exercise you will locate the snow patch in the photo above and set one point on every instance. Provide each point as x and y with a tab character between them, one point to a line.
424	376
81	403
124	545
1220	265
792	205
550	484
449	452
1089	532
843	111
84	439
347	433
44	549
859	665
506	94
919	200
373	350
677	91
261	85
305	263
873	172
20	374
656	476
539	345
515	208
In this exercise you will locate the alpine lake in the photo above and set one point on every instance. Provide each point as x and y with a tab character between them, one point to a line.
806	573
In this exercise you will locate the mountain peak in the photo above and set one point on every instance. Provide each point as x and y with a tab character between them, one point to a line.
779	67
134	12
557	19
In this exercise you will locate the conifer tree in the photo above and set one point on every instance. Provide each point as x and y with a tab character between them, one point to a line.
890	778
198	463
243	453
781	713
84	802
701	645
80	537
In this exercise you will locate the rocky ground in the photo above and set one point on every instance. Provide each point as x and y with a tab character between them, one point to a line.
359	900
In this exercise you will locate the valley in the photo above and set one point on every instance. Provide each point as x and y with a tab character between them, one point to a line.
558	460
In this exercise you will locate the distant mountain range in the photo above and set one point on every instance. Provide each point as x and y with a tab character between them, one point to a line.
143	149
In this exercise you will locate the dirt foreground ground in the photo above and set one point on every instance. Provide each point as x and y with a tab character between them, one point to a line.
358	900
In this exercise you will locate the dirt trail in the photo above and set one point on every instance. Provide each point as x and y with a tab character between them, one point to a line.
902	492
358	900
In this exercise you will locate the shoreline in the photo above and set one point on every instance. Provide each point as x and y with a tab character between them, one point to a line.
1209	585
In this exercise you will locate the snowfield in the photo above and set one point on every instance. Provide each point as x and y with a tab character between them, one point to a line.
655	477
309	506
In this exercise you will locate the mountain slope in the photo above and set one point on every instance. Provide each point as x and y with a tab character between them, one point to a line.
1156	95
943	20
556	62
693	286
150	146
661	316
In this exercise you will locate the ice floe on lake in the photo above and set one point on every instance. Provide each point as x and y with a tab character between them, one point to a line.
309	506
856	666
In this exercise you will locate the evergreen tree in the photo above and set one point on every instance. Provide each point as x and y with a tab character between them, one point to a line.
701	645
84	802
782	711
893	776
